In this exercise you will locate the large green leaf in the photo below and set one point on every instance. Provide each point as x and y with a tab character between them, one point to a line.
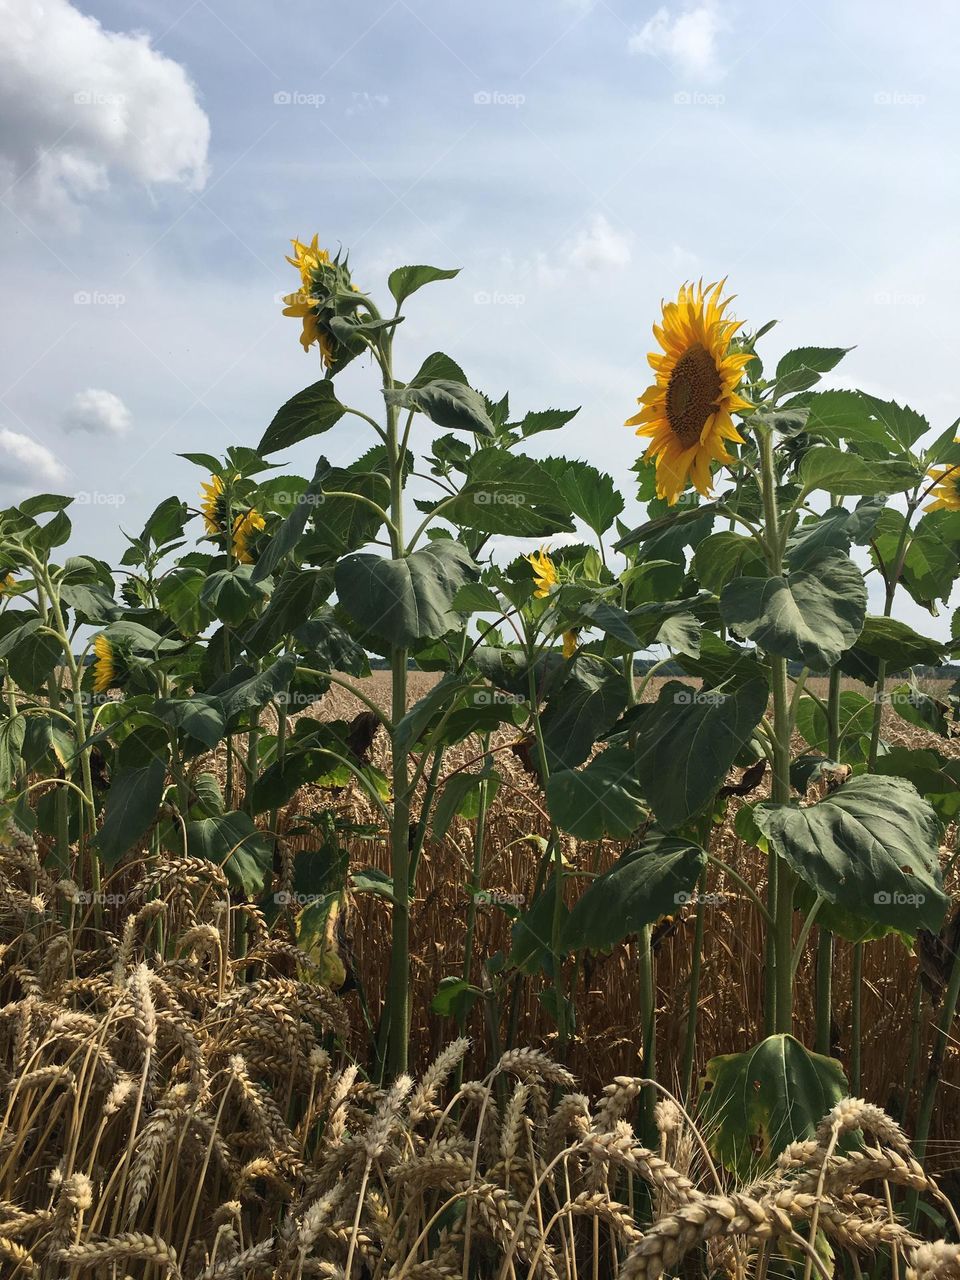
802	368
12	733
932	560
286	538
891	641
511	494
132	803
233	842
200	716
837	471
408	599
587	704
308	413
724	556
590	494
872	847
757	1103
643	885
603	799
230	595
243	687
406	280
935	776
451	405
809	615
688	740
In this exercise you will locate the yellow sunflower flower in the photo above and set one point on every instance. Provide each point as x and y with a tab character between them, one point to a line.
6	583
544	572
571	639
308	258
686	412
211	504
946	489
104	668
244	527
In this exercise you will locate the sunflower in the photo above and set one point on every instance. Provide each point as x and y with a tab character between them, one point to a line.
686	412
105	665
310	259
6	582
244	527
946	488
571	639
544	572
212	505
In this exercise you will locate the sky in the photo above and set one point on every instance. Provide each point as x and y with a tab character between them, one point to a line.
577	159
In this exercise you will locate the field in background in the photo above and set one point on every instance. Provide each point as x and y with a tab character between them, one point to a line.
607	1038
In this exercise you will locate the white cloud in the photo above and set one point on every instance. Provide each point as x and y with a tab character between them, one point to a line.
79	104
97	412
688	40
25	463
599	247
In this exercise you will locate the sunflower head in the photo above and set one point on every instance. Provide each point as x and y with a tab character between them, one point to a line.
213	504
245	526
544	572
571	639
107	664
687	410
6	582
326	291
946	488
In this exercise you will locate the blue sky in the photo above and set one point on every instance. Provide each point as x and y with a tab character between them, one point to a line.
577	160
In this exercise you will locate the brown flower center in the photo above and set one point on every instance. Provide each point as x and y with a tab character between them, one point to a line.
692	394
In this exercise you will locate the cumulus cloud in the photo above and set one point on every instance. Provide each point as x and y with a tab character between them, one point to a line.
599	247
25	463
101	413
687	39
80	105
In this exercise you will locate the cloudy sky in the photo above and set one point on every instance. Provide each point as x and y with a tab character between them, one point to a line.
577	158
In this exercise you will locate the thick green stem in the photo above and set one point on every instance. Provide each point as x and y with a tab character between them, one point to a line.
782	890
941	1039
825	937
475	884
648	1019
693	996
856	1010
398	996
